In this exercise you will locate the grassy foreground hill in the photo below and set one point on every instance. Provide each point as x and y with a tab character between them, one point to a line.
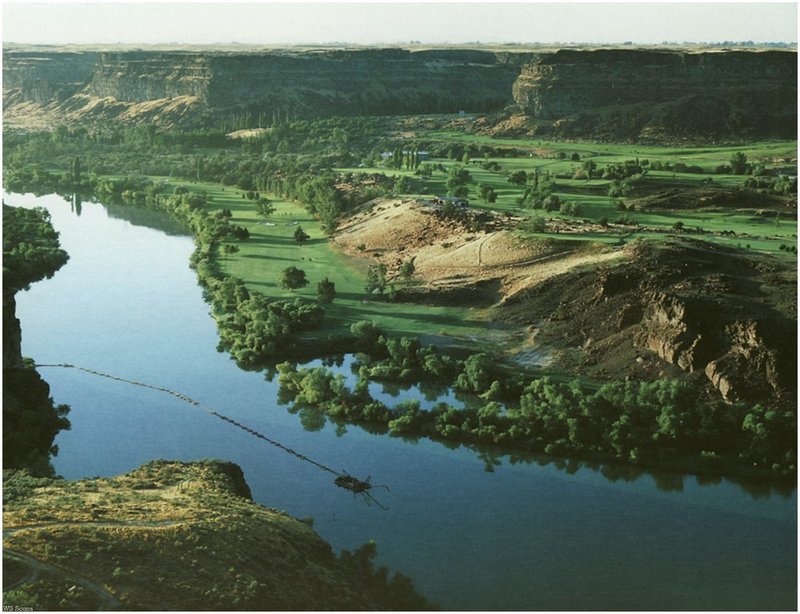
176	536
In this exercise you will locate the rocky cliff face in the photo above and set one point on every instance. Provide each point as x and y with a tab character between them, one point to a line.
140	77
636	93
324	83
45	78
743	358
684	309
614	93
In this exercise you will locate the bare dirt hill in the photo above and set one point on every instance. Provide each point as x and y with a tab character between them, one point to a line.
461	253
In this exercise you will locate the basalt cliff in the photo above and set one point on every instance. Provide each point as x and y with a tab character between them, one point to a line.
607	93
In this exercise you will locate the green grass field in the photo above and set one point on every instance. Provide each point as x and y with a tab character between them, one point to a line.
613	152
591	196
272	248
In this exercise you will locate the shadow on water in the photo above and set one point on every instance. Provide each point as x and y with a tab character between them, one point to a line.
31	421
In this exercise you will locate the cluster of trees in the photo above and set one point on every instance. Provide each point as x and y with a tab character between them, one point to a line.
376	279
619	172
293	279
487	193
457	179
665	422
520	178
403	184
539	195
324	193
138	151
30	247
405	157
253	328
782	184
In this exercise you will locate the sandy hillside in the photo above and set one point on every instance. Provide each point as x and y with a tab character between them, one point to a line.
447	253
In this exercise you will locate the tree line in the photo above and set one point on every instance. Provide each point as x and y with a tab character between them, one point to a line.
667	423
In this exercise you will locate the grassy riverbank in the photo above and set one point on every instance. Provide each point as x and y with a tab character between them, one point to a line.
271	248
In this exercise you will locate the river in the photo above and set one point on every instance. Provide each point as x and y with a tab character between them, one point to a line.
534	535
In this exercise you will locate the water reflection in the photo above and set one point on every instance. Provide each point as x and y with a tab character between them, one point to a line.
476	527
138	216
76	205
428	394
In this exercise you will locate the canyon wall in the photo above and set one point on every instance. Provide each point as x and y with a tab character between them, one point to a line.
630	92
127	85
606	92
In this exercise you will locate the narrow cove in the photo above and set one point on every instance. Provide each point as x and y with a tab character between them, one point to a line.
525	536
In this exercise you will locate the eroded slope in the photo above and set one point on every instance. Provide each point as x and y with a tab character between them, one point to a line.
717	315
451	255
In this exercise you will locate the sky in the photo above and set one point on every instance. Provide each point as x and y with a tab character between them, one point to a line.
270	23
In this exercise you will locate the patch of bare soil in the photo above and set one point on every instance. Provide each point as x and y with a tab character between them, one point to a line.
455	254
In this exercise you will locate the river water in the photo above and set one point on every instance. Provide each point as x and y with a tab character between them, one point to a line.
537	534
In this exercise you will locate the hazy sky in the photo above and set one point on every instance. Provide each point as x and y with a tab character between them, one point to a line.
388	22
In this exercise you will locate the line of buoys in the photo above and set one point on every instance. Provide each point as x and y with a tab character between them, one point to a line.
343	480
191	401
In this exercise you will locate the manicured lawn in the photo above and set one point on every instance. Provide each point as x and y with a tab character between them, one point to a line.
272	248
591	196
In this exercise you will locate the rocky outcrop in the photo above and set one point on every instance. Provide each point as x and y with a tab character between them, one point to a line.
614	93
636	93
710	314
677	330
744	359
754	366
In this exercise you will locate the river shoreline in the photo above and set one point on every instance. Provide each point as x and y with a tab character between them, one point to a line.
205	262
443	505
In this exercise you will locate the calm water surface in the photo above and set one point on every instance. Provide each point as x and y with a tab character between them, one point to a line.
527	536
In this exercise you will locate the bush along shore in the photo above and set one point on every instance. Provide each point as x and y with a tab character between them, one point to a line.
666	424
